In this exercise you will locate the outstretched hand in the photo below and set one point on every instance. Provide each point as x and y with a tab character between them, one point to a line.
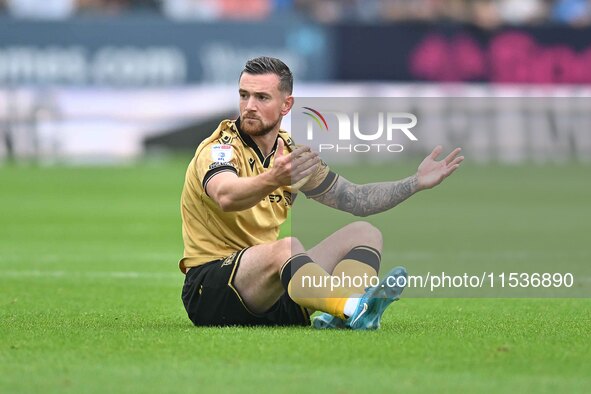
295	166
431	172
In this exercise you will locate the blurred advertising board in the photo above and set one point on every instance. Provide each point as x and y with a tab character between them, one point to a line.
456	53
138	52
492	123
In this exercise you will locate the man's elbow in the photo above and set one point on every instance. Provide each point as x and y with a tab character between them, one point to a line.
226	203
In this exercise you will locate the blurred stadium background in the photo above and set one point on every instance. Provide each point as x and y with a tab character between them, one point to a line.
109	80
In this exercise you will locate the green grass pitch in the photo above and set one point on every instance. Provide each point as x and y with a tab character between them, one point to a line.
90	290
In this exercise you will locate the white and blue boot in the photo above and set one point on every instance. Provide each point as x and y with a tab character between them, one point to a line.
375	300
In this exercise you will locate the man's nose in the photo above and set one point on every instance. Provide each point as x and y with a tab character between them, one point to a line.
250	104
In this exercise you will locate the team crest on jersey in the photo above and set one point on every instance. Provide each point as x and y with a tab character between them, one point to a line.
222	153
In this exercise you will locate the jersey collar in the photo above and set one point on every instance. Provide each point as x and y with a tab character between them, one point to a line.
247	139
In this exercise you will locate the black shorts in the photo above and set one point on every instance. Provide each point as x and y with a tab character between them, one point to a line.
210	299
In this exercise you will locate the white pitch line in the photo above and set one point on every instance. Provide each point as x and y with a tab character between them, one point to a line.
92	274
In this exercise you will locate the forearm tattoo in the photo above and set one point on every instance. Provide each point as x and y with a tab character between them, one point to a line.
368	199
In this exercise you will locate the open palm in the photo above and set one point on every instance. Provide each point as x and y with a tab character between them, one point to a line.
432	172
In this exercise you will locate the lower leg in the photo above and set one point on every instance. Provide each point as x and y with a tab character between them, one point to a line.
310	286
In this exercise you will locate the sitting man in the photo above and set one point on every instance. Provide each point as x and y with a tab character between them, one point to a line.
237	272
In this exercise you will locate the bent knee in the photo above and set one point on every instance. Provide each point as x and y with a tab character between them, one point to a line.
367	234
285	248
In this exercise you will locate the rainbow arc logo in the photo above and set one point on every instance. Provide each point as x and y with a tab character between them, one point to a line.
317	116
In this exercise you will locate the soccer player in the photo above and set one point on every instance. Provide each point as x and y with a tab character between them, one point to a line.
237	192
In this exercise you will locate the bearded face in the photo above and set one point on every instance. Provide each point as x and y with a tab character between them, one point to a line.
255	126
261	104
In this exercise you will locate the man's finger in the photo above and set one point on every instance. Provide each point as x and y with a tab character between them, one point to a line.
306	156
436	152
299	150
305	173
451	169
313	161
452	155
457	160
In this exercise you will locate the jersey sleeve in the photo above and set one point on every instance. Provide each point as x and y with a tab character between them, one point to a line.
319	182
215	159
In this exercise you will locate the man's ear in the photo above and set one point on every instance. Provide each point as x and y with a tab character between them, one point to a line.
287	104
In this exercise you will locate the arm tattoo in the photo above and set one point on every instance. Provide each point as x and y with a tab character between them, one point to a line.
368	199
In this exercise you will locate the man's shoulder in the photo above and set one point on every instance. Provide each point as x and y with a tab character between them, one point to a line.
289	142
225	134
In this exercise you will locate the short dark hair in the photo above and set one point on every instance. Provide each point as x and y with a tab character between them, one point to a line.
270	65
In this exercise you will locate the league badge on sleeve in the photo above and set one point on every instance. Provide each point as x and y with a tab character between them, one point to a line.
222	153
